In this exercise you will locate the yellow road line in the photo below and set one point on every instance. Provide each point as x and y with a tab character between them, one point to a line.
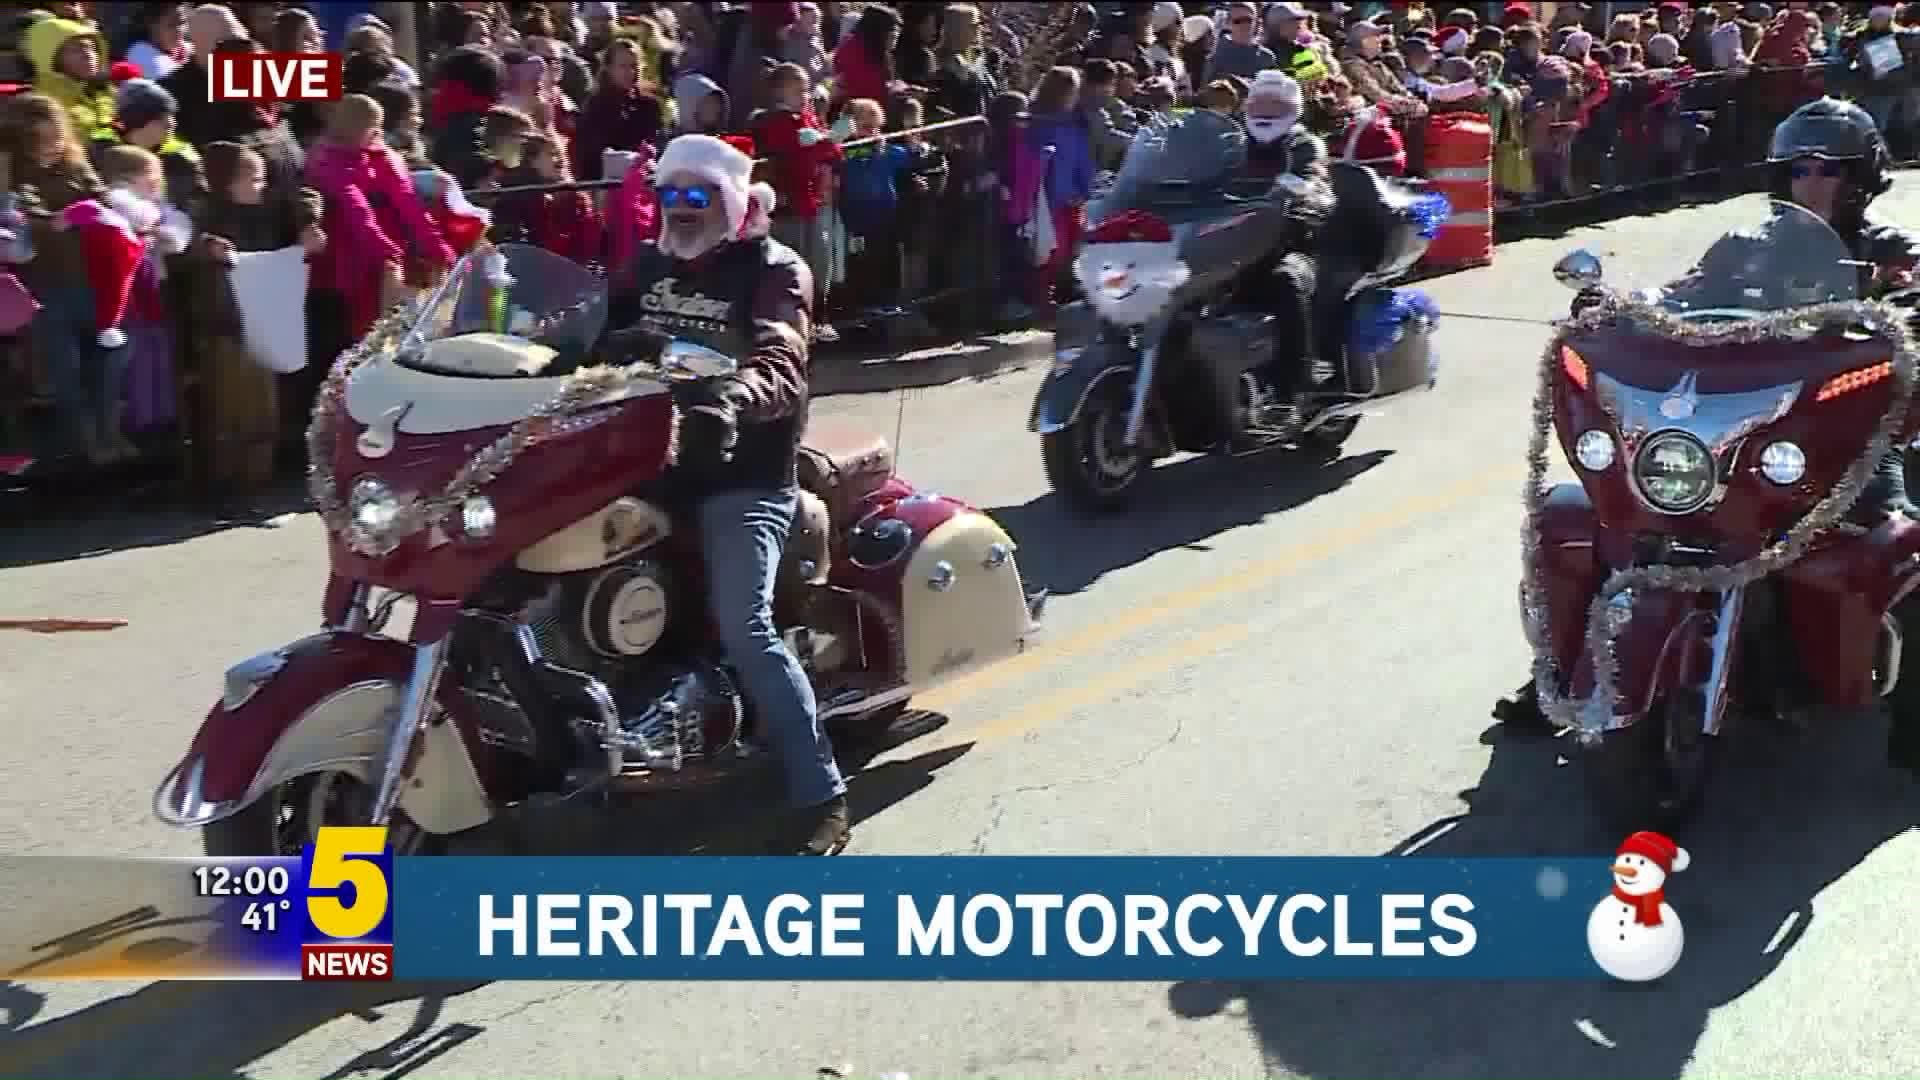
945	698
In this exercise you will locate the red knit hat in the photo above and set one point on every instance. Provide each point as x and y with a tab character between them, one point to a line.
1662	851
122	70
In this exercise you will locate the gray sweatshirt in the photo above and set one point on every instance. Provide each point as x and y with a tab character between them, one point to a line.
1246	61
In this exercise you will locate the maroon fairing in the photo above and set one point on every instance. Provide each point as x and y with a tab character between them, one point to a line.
233	744
1834	597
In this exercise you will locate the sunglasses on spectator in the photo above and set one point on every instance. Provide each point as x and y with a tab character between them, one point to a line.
693	198
1815	167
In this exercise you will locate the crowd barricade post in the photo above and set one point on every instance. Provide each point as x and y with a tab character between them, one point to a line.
1459	165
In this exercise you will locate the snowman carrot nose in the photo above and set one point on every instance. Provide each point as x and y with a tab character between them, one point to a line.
1625	871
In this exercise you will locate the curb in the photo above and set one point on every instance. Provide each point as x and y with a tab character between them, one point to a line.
976	358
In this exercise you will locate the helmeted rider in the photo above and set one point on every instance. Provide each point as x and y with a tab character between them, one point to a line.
714	277
1281	148
1829	158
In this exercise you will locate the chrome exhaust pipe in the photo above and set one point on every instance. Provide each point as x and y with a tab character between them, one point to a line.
1896	641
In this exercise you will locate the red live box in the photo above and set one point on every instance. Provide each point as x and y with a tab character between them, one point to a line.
346	963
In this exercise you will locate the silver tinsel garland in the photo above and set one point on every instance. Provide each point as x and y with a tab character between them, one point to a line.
1590	718
579	390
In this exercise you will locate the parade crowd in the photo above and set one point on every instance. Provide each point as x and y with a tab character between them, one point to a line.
930	160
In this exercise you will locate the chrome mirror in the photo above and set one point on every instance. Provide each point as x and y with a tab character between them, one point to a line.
1579	269
685	361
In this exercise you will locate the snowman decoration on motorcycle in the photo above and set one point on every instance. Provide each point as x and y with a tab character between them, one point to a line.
1633	933
1130	267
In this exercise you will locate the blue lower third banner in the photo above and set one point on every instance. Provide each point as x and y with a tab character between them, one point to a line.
996	918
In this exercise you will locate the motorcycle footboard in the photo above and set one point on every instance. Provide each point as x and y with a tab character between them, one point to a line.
1669	641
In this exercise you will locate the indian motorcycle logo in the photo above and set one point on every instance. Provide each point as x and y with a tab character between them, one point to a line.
695	311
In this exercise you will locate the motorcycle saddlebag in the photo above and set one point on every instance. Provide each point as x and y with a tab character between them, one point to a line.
1240	340
1391	341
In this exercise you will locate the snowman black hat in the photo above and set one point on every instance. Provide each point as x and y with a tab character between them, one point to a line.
1661	851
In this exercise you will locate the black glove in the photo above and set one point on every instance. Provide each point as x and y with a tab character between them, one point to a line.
708	433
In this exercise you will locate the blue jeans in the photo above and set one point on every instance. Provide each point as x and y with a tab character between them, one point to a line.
88	381
743	534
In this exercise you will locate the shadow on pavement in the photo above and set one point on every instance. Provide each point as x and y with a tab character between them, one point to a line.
61	527
1783	822
212	1031
1179	504
882	370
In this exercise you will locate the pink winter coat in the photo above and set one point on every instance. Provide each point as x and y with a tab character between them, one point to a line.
633	213
373	218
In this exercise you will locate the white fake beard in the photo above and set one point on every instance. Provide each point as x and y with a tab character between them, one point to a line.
1266	130
1154	272
672	243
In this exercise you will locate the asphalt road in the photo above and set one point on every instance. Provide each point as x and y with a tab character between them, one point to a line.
1265	658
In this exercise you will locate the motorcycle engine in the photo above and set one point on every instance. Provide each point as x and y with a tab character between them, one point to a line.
598	620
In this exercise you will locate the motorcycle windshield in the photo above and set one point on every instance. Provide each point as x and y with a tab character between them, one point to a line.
520	301
1785	258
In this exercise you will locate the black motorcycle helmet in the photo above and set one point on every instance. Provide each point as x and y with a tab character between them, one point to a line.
1833	130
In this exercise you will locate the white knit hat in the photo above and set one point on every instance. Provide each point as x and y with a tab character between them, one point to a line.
1275	85
1195	27
746	203
1165	15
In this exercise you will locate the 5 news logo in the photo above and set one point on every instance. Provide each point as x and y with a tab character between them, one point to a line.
349	905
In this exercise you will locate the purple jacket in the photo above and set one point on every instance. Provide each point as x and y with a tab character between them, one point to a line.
1070	176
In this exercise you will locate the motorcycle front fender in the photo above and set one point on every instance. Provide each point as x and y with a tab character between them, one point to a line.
324	703
1077	372
1668	642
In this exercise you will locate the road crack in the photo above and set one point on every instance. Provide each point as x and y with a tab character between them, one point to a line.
997	807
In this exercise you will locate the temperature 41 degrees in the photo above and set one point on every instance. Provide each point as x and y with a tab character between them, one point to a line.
263	916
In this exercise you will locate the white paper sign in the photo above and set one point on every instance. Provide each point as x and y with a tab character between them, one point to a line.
1883	55
270	288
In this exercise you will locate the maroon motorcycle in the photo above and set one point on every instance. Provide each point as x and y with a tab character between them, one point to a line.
471	458
1709	569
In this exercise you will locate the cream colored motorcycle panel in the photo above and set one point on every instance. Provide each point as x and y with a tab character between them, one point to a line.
346	731
434	404
616	530
982	618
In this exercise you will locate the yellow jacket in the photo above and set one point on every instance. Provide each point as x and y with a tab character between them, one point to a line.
89	105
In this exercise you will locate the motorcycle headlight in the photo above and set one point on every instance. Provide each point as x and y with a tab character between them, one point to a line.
373	505
1675	472
477	518
1783	463
1594	449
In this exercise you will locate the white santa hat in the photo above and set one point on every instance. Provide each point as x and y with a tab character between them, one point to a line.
1276	86
1166	14
1195	27
1453	41
730	172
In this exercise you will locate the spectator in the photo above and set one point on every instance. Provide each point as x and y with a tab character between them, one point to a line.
563	222
401	122
374	38
1728	48
1163	51
69	65
294	30
135	203
1240	54
1295	49
159	43
1366	71
599	19
377	228
1059	134
807	48
144	116
1197	34
239	415
1523	54
872	175
1878	66
913	60
467	82
925	183
761	47
572	78
361	71
1021	170
1550	107
1107	140
51	173
701	105
622	114
961	84
863	63
503	134
790	134
1126	52
1697	44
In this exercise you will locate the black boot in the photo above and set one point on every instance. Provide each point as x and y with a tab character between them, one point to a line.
817	830
1521	714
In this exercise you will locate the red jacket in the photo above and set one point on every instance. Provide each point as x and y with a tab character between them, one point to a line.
796	165
1369	139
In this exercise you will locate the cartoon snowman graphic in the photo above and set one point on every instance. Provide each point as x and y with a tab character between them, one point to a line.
1634	934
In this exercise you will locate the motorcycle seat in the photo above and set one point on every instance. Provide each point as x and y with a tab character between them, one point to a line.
843	466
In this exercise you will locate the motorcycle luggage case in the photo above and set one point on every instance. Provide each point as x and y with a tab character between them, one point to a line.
1403	358
1242	340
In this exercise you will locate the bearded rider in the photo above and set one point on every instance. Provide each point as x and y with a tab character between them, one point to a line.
714	277
1281	148
1829	158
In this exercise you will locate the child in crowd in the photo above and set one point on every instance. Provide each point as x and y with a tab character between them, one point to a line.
239	415
1021	171
1057	133
790	134
563	222
701	106
871	177
503	134
926	181
118	231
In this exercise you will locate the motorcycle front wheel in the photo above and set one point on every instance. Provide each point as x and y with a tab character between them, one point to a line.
1089	461
286	819
1654	774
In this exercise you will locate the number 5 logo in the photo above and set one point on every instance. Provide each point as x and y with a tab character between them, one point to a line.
342	858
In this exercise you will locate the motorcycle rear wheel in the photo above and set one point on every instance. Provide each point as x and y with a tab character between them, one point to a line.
287	818
1654	774
1088	461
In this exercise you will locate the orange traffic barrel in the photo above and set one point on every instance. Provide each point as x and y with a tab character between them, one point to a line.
1459	165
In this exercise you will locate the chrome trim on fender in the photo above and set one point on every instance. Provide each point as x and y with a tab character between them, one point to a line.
1896	645
423	682
1036	423
178	800
1720	668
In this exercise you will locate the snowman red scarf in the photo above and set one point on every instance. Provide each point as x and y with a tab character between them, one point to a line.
1646	909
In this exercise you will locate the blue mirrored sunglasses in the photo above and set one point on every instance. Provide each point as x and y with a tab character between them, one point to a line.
1808	167
693	198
